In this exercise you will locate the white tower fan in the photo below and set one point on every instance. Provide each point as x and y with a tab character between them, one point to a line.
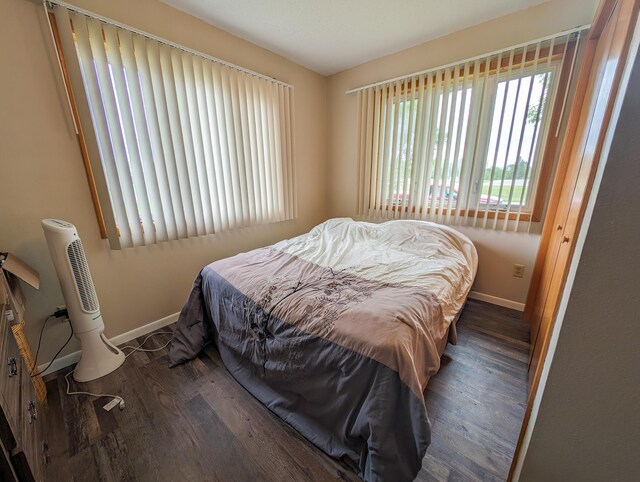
99	357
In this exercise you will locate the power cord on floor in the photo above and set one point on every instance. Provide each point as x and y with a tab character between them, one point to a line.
98	395
139	347
117	399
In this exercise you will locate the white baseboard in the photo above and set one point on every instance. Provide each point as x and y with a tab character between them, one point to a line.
144	330
72	358
494	300
59	363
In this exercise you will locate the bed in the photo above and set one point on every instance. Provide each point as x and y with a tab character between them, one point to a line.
338	331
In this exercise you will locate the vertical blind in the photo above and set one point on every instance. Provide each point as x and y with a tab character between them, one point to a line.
461	144
189	146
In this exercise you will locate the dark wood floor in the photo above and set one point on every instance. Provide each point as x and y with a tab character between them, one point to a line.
196	423
477	400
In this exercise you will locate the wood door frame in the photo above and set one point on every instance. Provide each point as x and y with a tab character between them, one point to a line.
627	17
549	252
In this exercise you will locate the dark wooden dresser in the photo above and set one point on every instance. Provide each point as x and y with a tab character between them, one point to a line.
23	442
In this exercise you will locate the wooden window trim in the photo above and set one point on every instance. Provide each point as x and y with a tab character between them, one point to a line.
551	147
80	134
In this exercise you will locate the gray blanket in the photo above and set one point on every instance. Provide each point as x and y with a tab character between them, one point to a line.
342	359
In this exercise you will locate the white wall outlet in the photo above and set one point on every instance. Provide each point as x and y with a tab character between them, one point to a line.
518	270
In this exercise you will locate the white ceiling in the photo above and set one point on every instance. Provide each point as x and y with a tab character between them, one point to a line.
328	36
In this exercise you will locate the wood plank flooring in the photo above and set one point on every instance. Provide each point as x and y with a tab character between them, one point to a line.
196	423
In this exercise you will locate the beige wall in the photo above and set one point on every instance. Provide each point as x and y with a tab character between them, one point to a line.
497	251
586	422
43	174
44	177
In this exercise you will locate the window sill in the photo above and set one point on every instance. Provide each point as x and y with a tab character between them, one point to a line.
482	213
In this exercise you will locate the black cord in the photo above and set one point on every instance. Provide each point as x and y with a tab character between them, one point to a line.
35	361
56	355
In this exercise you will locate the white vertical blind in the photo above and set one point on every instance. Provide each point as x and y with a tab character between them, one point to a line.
462	144
189	146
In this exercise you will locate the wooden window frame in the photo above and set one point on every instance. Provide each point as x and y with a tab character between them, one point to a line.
93	189
553	142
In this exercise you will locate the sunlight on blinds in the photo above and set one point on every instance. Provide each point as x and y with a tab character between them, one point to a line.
462	144
189	146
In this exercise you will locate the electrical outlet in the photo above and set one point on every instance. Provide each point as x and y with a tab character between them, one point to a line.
61	313
518	270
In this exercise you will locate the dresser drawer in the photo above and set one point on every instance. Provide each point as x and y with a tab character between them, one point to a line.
29	455
7	473
11	372
21	416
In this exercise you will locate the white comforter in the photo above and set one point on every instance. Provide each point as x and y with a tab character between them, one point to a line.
415	253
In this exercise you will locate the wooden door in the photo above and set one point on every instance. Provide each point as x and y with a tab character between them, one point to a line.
604	58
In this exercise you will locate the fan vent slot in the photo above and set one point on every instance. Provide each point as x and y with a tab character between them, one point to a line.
84	283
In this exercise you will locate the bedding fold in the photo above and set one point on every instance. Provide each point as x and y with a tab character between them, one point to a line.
337	344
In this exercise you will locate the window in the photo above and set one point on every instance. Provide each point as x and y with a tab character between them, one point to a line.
466	143
183	145
520	117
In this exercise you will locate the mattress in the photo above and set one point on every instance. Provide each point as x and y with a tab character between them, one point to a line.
338	331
